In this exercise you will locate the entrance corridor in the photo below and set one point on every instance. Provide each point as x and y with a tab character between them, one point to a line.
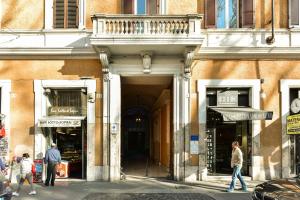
146	126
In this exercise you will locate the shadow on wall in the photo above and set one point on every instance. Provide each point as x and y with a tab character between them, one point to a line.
81	68
22	8
270	149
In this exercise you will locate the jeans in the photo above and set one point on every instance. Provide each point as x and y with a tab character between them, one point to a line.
237	174
51	172
27	177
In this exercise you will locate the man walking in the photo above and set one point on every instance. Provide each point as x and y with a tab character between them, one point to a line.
236	164
52	158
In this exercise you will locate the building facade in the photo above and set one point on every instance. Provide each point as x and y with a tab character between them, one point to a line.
167	83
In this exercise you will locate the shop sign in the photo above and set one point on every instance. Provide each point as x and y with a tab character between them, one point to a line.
227	98
59	123
64	111
293	124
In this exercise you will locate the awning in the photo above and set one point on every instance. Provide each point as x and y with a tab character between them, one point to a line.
60	121
239	114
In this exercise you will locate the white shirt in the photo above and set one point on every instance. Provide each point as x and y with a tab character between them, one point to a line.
26	165
236	158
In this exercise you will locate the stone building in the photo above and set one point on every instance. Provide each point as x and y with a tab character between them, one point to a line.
151	87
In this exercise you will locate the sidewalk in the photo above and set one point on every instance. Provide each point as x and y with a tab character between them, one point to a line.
131	188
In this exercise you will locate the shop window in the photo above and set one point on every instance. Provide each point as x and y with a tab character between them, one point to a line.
67	102
65	13
294	13
294	139
229	13
143	7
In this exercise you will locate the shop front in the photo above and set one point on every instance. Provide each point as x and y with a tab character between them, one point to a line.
232	113
290	96
67	119
5	88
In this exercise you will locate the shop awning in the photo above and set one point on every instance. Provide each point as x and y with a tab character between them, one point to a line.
239	114
60	121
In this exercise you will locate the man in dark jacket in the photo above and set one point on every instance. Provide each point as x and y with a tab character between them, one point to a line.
52	158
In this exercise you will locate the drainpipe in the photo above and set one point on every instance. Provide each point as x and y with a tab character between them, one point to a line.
271	39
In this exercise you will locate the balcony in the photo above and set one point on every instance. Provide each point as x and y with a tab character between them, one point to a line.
130	34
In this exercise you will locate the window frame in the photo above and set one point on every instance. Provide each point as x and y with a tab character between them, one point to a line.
241	18
227	14
290	15
49	15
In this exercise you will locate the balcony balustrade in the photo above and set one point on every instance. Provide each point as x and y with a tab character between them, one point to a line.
146	26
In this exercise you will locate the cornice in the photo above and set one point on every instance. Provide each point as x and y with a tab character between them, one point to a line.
48	53
252	53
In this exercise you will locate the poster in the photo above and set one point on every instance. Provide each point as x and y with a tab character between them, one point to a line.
62	170
38	175
293	124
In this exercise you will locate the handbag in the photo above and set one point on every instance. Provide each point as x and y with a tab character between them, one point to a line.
33	169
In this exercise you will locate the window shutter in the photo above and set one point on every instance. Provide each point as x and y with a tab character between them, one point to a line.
72	13
128	6
59	11
153	6
210	14
247	14
294	12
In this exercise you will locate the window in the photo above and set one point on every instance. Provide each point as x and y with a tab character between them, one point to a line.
294	12
143	7
65	14
228	13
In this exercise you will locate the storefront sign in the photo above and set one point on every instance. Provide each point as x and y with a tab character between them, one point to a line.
38	175
293	124
59	123
194	144
64	111
227	98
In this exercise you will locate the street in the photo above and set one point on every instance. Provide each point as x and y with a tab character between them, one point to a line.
136	188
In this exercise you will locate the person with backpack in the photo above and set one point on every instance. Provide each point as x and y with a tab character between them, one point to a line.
25	173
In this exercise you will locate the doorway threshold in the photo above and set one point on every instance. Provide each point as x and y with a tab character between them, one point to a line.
70	180
224	177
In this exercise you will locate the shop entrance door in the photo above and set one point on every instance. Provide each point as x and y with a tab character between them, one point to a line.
219	140
72	144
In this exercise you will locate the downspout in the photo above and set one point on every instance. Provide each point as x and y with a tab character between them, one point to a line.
271	39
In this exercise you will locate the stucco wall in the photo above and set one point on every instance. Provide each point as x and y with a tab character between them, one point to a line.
103	7
22	14
271	72
176	7
22	73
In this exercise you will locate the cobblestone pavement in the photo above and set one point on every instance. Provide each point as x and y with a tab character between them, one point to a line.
148	196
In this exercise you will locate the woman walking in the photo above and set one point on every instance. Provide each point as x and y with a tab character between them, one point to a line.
25	173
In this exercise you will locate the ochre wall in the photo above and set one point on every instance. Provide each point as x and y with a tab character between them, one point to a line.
177	7
22	14
263	13
22	75
272	72
101	7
